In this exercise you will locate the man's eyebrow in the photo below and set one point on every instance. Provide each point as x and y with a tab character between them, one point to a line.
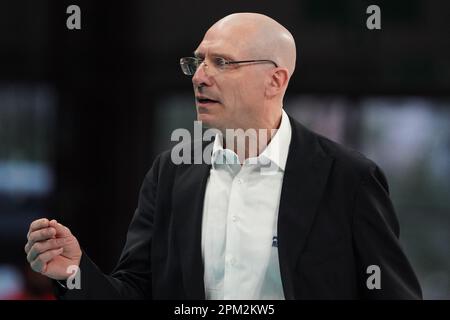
222	55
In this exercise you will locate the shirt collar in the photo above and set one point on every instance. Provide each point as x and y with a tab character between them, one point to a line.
278	148
276	151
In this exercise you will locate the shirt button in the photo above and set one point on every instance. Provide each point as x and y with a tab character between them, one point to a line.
233	261
234	218
240	181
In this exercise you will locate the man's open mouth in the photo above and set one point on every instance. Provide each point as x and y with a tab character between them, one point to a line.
202	100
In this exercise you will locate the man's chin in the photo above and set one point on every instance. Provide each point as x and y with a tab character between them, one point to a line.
206	119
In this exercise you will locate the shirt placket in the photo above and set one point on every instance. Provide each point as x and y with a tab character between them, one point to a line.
232	275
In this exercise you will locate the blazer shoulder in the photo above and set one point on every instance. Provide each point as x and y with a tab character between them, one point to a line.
348	161
353	163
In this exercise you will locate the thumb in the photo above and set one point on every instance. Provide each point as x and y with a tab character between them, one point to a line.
61	231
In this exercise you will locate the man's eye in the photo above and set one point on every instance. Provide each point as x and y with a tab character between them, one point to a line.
220	62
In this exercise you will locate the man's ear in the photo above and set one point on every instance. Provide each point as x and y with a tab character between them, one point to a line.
277	82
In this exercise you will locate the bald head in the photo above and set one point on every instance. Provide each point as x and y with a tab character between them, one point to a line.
243	95
258	37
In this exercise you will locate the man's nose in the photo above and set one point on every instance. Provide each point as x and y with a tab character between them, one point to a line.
201	78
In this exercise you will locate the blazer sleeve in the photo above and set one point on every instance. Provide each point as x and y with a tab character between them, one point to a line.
376	240
131	278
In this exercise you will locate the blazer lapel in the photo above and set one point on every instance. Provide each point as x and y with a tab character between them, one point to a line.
189	191
305	177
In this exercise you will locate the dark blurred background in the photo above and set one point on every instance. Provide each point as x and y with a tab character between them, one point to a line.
84	112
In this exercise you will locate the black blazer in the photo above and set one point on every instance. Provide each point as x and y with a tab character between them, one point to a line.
335	219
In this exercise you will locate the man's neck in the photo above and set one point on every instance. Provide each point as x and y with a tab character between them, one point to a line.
250	142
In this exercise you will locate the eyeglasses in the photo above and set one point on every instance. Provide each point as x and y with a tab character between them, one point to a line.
189	65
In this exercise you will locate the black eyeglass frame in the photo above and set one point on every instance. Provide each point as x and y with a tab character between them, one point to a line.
199	61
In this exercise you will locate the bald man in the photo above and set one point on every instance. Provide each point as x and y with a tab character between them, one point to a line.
318	224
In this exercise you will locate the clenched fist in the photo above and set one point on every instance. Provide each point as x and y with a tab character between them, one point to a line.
51	249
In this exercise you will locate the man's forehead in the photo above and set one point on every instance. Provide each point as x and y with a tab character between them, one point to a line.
224	43
217	48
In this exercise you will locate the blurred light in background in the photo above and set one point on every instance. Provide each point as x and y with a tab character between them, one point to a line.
27	119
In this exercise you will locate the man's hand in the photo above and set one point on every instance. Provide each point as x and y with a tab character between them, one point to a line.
51	249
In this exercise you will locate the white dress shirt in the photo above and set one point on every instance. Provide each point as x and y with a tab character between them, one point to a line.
240	214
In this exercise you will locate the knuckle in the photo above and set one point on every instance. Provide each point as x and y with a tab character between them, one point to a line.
37	247
45	233
36	267
40	259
